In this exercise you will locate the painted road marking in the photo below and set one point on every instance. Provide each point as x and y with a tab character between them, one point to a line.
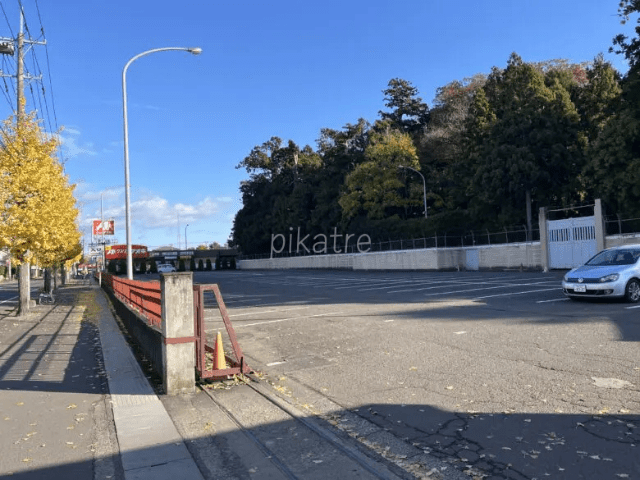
9	299
267	311
515	293
287	319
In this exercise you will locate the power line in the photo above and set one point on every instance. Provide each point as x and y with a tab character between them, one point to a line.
46	51
39	97
7	20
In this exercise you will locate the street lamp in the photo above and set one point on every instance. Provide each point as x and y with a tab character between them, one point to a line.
186	244
424	187
195	51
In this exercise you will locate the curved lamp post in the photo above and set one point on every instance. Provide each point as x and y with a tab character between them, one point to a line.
424	187
195	51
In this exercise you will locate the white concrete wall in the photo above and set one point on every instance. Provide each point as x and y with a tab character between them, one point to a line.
628	239
516	255
520	255
483	257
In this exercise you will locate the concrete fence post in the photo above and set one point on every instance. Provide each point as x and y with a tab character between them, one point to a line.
178	349
544	238
600	229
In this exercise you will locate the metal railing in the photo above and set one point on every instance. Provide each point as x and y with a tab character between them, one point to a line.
615	225
143	297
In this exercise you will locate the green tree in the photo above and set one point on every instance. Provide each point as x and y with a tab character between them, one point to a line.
278	194
614	156
526	144
408	112
629	47
373	187
441	144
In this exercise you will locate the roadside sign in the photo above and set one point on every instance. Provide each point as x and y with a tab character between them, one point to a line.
106	227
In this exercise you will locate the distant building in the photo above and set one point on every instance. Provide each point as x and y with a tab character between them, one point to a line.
223	257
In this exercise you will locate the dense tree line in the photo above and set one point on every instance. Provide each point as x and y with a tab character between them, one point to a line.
492	149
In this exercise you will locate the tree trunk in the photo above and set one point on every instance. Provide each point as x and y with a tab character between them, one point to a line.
47	280
63	275
24	289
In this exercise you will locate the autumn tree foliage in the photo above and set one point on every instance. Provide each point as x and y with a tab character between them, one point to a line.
37	207
373	188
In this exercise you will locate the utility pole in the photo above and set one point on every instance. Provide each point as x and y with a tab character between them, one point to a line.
24	280
6	48
104	259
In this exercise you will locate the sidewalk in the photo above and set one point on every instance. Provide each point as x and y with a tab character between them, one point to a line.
73	401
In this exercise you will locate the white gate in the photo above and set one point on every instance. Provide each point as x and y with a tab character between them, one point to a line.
571	242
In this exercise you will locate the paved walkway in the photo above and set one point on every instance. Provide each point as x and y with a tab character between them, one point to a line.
73	401
75	404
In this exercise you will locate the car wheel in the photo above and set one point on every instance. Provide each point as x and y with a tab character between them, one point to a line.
632	291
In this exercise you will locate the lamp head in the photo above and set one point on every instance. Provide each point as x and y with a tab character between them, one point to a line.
195	50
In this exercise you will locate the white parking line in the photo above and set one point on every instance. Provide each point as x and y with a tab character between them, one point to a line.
515	293
9	299
631	308
287	319
440	285
474	282
554	300
398	285
504	285
267	311
279	304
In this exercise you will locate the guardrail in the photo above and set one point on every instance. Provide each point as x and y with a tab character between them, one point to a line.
143	297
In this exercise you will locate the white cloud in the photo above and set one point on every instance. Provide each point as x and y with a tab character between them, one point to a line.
71	147
154	219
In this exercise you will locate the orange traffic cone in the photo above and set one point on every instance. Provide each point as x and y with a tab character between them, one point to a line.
219	362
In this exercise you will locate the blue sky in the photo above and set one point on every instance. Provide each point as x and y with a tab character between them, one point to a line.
277	68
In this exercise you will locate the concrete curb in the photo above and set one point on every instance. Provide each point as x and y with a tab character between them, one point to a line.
149	443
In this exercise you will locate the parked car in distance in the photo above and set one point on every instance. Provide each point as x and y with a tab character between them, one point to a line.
614	272
166	268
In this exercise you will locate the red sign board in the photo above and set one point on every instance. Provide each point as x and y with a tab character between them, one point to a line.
106	227
116	252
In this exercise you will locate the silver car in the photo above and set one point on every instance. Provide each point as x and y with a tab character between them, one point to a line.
166	268
614	272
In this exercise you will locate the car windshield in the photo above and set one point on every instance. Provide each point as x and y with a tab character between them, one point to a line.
615	257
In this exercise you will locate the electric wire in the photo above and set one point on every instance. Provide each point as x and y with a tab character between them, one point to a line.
7	20
46	51
43	100
6	67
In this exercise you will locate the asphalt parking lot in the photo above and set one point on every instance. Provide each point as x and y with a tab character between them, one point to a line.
495	371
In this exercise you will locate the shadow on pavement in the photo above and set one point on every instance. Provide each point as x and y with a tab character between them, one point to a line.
63	356
492	446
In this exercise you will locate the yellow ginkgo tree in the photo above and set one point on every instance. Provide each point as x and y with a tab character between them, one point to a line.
37	208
